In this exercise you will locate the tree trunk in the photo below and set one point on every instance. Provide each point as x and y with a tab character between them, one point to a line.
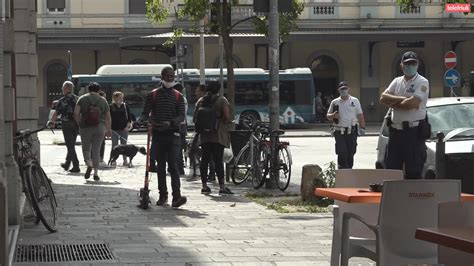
228	48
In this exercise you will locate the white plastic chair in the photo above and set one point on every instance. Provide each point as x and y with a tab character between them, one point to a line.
455	214
357	178
405	206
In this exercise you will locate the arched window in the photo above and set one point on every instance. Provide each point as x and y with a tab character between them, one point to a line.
326	76
56	74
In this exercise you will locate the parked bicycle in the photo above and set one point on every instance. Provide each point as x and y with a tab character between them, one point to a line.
35	182
254	159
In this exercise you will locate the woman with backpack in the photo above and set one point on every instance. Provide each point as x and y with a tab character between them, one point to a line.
121	121
211	117
92	113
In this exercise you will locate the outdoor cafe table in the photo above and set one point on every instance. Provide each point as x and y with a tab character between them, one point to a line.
460	238
362	195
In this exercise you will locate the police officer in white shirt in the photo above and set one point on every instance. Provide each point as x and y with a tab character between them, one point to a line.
348	122
407	96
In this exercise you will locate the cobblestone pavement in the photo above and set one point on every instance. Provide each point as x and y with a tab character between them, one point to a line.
208	230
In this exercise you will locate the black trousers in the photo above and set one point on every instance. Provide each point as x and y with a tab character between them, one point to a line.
213	151
70	131
165	152
346	147
405	147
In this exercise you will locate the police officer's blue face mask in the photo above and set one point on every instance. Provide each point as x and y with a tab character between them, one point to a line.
410	70
344	93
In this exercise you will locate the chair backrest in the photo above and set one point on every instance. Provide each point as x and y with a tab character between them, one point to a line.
456	214
362	178
407	205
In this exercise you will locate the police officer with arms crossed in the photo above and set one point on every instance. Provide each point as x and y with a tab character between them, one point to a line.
407	96
348	122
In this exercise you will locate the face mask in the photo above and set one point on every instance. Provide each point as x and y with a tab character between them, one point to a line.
168	84
410	70
344	93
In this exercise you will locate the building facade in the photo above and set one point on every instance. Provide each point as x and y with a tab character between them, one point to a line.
19	109
359	41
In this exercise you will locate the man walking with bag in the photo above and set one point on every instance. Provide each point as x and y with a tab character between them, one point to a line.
407	95
166	106
65	107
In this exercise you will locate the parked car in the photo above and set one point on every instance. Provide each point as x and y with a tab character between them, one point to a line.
453	116
51	112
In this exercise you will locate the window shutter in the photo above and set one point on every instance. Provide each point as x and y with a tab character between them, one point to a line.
58	4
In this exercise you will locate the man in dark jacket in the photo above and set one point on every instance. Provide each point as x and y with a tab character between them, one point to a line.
166	106
65	108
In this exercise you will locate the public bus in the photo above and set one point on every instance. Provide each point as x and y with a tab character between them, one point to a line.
251	89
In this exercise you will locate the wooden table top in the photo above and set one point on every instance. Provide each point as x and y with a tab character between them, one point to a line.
362	195
460	238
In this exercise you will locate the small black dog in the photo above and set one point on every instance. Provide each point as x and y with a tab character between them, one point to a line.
128	150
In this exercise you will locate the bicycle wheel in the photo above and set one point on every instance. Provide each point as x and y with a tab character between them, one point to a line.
242	166
41	195
284	168
261	166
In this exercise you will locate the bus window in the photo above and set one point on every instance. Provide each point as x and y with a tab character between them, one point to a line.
287	92
251	93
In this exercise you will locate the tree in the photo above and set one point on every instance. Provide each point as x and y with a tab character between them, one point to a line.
410	4
199	9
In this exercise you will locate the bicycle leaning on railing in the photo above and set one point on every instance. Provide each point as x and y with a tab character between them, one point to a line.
254	159
35	182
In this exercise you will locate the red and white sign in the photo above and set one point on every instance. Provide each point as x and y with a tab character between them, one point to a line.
450	60
458	7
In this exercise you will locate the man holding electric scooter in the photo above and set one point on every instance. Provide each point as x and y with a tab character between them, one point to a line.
167	109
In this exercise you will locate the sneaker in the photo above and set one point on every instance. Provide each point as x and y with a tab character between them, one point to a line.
75	169
179	202
88	173
206	190
65	166
162	201
225	191
96	178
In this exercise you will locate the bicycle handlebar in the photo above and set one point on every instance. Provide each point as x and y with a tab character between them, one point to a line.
21	134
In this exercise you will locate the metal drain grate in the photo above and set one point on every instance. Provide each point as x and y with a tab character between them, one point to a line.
63	253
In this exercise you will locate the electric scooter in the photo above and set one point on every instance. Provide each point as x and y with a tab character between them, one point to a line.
144	195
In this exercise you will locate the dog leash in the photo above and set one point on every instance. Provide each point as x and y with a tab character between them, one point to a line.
122	137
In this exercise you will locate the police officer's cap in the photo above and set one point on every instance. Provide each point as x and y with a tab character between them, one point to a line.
343	86
409	56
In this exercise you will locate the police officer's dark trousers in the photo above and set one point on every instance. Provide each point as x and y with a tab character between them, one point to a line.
405	147
346	145
70	131
164	152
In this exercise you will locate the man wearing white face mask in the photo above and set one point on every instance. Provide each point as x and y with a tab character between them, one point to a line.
407	96
348	122
166	106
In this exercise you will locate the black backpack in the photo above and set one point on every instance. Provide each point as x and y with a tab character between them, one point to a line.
207	120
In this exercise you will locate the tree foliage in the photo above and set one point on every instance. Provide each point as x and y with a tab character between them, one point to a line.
196	10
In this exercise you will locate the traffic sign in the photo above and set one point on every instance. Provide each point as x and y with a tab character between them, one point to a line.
450	60
452	78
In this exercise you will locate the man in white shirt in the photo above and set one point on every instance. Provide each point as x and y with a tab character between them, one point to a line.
407	96
348	122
